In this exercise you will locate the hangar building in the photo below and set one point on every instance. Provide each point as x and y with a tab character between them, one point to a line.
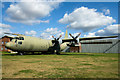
97	46
101	46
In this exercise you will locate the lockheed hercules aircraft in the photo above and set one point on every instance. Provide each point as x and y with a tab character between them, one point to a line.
23	44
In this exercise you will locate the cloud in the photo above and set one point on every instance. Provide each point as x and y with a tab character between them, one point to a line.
32	33
106	11
30	12
2	31
4	25
28	22
108	31
49	32
4	28
86	19
90	34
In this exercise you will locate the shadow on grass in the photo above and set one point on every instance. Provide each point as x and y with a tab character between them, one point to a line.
26	53
11	54
17	54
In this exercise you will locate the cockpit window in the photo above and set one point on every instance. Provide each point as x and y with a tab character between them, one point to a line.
16	38
21	38
19	42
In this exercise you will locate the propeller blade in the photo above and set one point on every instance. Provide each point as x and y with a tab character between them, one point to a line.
59	37
53	37
77	36
71	36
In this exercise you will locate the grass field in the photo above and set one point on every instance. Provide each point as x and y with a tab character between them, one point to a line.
67	65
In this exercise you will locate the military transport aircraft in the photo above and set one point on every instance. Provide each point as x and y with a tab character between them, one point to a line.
23	44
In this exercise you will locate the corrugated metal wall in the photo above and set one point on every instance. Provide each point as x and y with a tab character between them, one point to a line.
101	48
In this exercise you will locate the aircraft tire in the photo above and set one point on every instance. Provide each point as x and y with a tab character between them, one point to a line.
20	53
33	53
56	52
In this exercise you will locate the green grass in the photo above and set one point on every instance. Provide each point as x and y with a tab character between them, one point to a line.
34	61
26	71
66	65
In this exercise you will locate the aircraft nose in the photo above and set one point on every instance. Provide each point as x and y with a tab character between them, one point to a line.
9	45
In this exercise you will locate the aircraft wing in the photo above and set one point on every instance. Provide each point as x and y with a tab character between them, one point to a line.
67	40
92	38
109	42
88	38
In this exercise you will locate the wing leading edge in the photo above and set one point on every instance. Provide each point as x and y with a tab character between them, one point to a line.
88	38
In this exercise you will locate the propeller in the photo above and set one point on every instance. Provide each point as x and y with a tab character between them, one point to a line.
56	46
75	38
56	39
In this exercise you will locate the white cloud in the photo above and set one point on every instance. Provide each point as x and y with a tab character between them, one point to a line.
4	25
108	31
28	22
106	11
74	35
49	32
2	31
90	34
4	28
32	33
30	12
86	19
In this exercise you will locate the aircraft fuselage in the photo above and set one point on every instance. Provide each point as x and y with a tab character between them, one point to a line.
31	44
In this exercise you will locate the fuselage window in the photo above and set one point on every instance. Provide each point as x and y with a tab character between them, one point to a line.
19	38
19	42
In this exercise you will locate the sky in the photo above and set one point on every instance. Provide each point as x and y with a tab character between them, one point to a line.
44	19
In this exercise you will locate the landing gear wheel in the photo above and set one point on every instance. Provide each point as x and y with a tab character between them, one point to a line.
33	53
20	53
56	52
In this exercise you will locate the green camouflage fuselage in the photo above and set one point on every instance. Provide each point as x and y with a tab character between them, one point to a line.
32	44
